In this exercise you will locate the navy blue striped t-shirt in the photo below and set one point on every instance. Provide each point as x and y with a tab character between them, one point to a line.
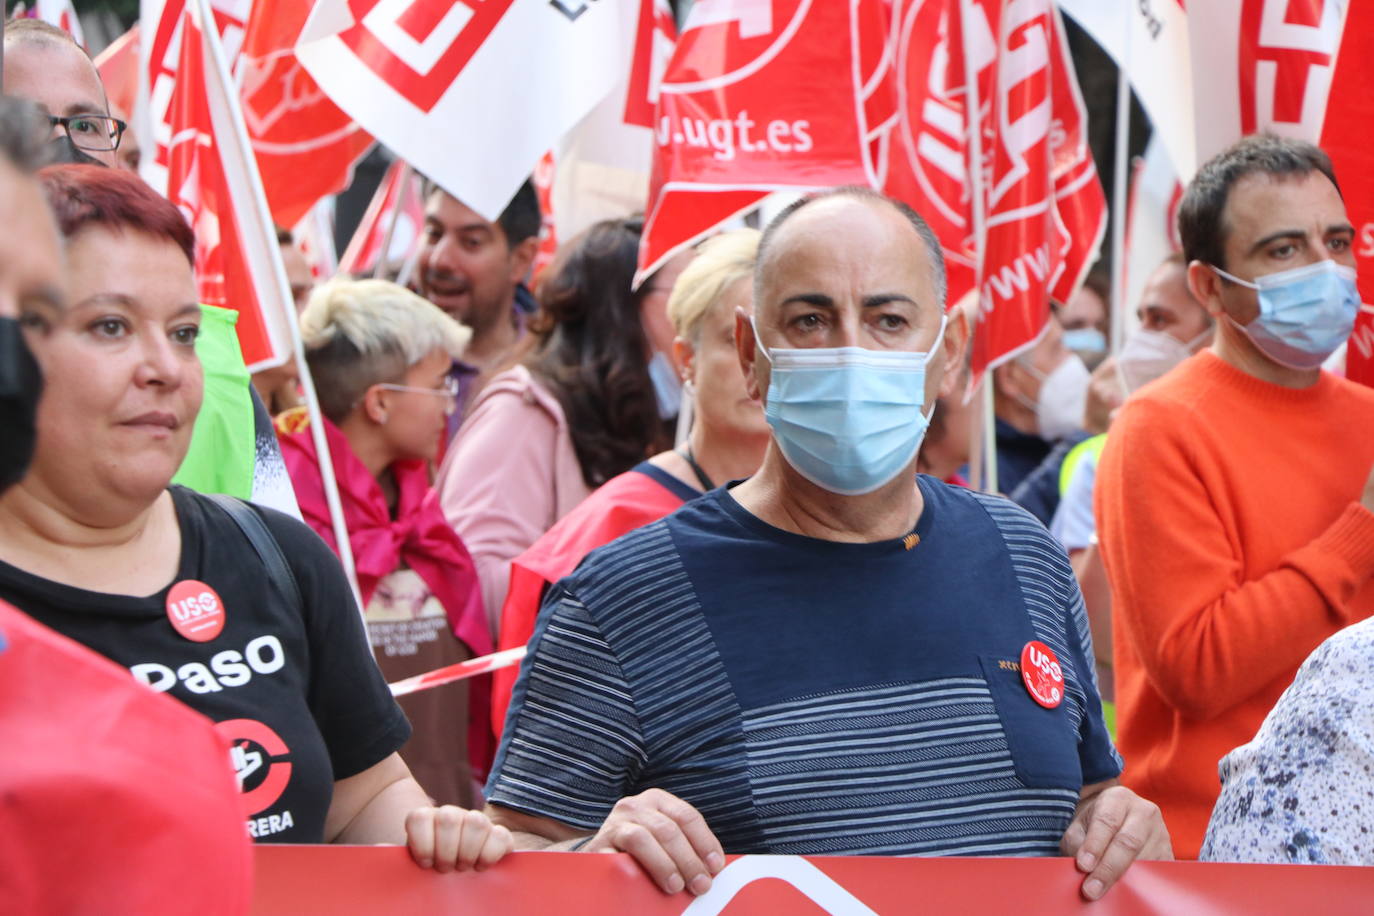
812	697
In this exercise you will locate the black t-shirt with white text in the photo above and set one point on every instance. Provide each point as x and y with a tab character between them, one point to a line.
296	692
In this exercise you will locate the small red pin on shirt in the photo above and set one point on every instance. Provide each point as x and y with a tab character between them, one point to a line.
195	610
1041	672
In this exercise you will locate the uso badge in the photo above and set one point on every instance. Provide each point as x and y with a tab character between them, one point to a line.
195	610
1042	675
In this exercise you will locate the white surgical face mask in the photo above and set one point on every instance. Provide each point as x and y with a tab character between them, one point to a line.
1148	355
1063	396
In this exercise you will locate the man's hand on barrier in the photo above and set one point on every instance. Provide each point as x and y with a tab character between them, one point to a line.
667	837
1111	828
449	837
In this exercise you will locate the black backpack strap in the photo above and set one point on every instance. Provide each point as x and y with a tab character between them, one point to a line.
266	546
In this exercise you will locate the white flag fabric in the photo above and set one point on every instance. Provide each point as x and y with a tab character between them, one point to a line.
1152	226
471	93
1158	60
61	14
1262	65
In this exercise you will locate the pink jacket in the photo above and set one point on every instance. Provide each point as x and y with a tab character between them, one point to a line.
509	475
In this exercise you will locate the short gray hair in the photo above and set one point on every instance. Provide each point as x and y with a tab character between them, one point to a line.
358	333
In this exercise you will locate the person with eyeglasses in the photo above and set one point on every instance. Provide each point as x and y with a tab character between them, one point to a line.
45	65
380	357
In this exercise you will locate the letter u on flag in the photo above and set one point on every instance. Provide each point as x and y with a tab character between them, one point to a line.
213	178
471	93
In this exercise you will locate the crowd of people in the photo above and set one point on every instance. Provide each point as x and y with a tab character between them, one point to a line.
728	512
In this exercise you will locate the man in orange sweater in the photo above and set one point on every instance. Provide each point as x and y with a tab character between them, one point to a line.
1235	494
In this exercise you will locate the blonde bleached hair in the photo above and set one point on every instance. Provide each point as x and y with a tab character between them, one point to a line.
721	262
358	333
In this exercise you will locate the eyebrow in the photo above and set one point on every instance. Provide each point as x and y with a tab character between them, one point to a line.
1298	235
821	300
130	302
86	108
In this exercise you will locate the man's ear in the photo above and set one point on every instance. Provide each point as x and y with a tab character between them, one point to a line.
522	259
747	348
685	359
954	350
1205	285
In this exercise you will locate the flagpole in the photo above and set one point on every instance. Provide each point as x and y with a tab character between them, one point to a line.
402	195
1119	167
312	402
985	458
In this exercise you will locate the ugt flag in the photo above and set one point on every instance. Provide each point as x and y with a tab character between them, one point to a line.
759	97
1043	210
291	122
213	178
472	93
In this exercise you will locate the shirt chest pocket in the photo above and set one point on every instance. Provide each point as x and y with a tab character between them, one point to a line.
1042	742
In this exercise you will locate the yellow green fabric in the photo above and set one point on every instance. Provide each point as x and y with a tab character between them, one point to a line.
223	442
1074	459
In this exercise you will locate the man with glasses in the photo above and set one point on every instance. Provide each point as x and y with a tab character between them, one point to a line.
45	65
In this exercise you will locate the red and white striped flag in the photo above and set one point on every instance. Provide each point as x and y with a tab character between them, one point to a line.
213	178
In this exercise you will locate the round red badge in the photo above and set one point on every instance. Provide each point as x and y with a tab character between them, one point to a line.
195	610
1042	674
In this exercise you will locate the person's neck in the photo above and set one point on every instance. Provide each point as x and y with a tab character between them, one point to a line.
724	454
1237	350
1015	414
368	445
780	496
493	343
30	512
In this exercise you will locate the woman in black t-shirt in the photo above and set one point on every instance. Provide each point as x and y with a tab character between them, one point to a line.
262	638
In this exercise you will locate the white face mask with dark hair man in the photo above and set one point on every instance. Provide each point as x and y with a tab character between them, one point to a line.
1063	396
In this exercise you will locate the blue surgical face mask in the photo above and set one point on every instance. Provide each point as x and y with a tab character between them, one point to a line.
848	419
1086	342
1305	313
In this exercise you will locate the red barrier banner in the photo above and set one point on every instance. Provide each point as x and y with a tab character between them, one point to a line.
323	879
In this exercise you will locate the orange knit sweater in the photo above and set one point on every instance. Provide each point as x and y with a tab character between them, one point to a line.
1230	524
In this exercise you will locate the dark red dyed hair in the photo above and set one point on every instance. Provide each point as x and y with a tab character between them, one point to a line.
85	195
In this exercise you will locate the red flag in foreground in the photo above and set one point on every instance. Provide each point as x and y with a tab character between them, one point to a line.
290	120
213	178
400	187
1346	138
369	879
1043	210
758	97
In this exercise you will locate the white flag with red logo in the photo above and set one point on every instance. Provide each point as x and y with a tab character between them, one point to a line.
1150	41
470	93
601	168
397	201
305	145
160	27
1262	65
1043	209
763	96
213	178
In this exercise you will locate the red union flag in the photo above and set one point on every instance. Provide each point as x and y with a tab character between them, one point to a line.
1044	210
472	93
213	179
742	112
160	27
289	118
927	165
1262	65
1346	138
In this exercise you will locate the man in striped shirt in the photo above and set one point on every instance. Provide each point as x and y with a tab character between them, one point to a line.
834	656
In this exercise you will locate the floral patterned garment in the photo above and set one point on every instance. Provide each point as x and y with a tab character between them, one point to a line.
1303	790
